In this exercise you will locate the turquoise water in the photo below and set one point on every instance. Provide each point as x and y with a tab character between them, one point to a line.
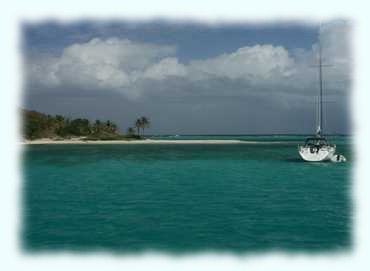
184	198
263	138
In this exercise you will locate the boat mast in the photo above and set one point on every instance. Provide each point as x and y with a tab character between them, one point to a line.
320	128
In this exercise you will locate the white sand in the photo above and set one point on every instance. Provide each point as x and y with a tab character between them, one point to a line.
145	141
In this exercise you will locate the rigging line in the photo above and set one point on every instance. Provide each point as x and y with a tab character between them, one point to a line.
320	80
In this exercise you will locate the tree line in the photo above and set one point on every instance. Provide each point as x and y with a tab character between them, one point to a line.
140	124
39	125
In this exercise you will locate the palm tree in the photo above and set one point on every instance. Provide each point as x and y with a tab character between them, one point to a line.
145	123
114	127
130	131
96	126
138	125
60	124
108	124
111	126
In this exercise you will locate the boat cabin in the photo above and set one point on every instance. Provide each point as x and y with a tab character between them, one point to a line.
315	141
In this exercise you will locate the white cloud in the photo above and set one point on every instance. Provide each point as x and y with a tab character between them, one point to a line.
105	64
119	53
121	64
165	68
259	62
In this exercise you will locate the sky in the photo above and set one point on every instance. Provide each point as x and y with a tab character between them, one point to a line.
189	77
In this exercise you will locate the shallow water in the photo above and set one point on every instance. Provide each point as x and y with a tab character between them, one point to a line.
184	198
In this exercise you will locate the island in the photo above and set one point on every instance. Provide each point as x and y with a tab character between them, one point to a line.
45	128
40	128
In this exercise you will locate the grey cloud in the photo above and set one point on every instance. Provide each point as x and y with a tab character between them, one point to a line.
123	65
241	91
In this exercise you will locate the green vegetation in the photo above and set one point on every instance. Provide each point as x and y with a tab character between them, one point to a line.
141	123
38	125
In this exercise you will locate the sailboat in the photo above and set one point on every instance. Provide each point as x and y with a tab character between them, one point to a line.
317	148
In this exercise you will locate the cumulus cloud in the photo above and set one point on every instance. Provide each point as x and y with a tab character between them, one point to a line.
130	67
165	68
101	64
256	62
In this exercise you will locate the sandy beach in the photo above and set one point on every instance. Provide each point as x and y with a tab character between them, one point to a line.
145	141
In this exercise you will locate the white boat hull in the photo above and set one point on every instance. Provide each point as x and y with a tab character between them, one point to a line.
325	153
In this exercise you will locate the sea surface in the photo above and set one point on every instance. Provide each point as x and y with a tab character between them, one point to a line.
186	198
